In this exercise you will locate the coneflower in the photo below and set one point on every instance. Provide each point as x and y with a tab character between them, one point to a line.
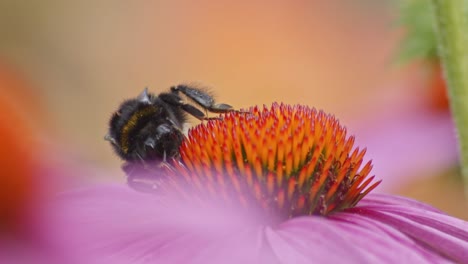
283	184
291	160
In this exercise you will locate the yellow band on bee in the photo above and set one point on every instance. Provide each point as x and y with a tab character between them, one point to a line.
131	123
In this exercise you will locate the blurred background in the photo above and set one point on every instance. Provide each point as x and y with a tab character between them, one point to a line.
67	65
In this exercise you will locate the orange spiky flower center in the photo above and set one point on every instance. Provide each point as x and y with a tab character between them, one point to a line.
292	160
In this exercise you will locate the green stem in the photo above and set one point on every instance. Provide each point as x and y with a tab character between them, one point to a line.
451	23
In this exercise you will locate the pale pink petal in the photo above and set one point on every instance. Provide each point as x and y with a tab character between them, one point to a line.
114	224
437	232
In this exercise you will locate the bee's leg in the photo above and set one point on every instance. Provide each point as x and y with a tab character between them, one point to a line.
202	98
164	157
145	178
174	99
144	184
196	112
138	177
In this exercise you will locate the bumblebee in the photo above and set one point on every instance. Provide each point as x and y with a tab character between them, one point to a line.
149	128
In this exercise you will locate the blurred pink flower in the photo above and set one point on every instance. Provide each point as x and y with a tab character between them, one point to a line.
19	186
407	139
27	178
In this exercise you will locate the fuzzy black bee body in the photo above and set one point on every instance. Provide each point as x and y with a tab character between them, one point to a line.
150	128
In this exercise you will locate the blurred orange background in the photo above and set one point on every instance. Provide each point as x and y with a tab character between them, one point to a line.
82	58
85	57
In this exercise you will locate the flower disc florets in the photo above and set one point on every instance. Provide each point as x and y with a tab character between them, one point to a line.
291	160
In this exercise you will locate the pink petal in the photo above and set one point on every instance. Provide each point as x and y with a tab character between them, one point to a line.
435	231
329	240
376	201
114	224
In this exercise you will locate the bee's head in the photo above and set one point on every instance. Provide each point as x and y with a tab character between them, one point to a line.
140	130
